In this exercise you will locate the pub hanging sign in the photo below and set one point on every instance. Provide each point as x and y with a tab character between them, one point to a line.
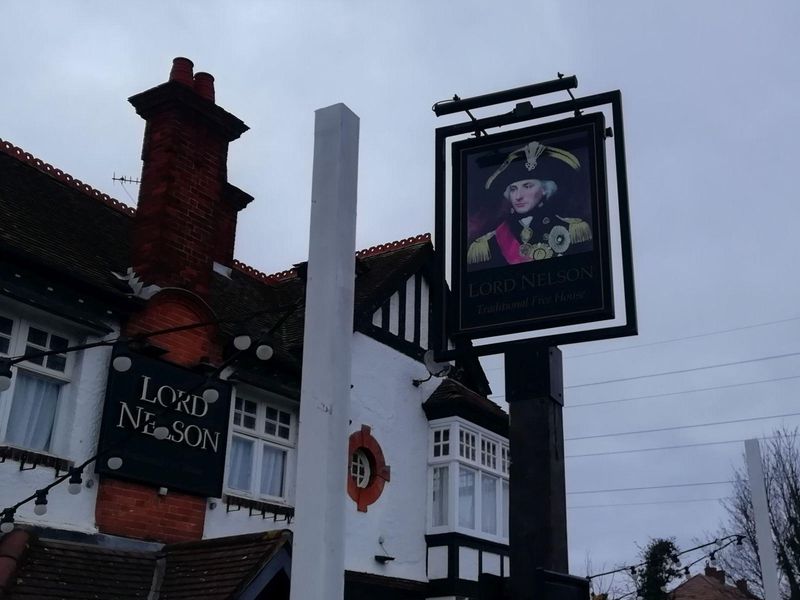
530	229
192	456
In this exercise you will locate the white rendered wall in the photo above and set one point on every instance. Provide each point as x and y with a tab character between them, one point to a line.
438	567
491	563
468	567
384	398
221	523
75	438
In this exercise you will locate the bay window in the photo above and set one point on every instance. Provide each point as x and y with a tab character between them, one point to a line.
262	442
441	476
29	408
468	482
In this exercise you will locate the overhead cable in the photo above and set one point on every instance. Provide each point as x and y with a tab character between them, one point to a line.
690	370
652	487
659	429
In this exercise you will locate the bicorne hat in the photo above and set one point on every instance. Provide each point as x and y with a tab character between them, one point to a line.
535	161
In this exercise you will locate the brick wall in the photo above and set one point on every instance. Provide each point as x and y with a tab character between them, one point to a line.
138	511
173	308
180	202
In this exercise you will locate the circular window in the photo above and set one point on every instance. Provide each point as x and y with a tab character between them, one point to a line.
360	469
368	471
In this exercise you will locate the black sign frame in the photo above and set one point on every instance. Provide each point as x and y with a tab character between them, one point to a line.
192	459
445	325
541	288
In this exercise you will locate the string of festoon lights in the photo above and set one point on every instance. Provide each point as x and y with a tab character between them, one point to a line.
711	556
121	363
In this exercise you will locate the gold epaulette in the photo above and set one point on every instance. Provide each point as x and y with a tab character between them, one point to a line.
478	250
579	230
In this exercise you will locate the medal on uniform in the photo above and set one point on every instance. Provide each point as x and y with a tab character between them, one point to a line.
526	249
541	252
559	239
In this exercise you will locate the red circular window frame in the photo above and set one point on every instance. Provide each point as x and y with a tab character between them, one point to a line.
380	472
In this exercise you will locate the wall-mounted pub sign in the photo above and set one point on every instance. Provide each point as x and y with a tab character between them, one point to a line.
192	456
530	228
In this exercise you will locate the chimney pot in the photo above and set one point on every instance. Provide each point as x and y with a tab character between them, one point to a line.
204	85
181	70
717	574
741	584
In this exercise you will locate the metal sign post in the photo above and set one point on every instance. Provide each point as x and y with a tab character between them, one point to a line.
530	248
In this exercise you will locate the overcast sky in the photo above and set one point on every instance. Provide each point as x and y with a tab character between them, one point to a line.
710	93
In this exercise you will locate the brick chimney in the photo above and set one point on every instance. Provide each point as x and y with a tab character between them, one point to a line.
717	574
741	585
187	210
185	221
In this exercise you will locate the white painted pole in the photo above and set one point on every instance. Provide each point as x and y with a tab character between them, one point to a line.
758	496
318	542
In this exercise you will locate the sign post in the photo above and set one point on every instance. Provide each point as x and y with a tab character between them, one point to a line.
530	249
537	503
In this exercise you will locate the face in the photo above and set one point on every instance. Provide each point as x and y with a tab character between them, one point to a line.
525	195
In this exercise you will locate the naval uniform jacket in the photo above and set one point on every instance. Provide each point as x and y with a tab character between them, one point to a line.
548	235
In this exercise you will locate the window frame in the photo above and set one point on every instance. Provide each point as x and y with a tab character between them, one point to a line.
23	320
260	439
455	462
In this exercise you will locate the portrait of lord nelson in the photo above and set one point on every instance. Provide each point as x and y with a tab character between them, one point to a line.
527	200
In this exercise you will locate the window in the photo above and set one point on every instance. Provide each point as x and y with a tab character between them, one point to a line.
466	498
476	479
30	406
466	444
488	504
488	453
441	442
505	460
278	423
504	506
261	445
440	480
360	470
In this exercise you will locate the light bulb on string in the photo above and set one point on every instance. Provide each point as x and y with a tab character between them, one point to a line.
210	395
114	463
121	363
161	433
242	342
264	352
7	522
75	482
40	504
